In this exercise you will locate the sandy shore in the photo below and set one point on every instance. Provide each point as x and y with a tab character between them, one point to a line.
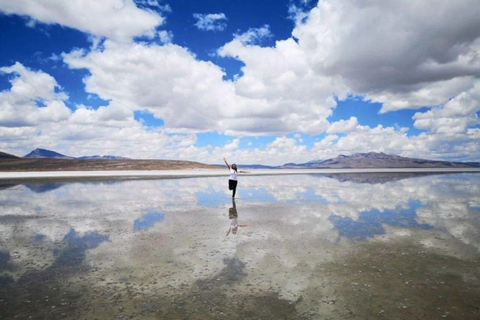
170	174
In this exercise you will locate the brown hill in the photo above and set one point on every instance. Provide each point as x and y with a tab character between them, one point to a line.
45	164
4	155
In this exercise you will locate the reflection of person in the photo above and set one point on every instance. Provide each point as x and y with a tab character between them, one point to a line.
233	216
233	180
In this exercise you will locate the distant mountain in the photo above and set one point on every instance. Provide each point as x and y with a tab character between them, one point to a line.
4	155
377	160
43	153
106	157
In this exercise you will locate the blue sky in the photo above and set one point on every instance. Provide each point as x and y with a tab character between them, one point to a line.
254	81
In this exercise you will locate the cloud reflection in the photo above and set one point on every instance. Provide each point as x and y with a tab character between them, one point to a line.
295	224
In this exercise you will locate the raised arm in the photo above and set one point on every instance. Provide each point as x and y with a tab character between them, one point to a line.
228	166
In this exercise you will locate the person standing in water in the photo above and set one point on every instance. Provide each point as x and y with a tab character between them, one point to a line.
233	180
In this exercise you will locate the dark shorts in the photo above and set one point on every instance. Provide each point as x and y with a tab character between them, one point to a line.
232	184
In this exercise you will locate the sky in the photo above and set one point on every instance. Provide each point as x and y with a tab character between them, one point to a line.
258	82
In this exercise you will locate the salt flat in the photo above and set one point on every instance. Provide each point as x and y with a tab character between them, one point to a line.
213	173
300	247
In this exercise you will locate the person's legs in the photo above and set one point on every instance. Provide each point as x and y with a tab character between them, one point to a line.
234	188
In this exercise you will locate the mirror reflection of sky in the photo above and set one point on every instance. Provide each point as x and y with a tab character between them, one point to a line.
148	220
73	218
371	223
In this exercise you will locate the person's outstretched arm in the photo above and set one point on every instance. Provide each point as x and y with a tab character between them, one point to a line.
228	166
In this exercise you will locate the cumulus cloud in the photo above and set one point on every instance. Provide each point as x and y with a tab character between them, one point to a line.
343	126
115	19
455	117
391	51
166	80
191	95
19	105
252	36
281	75
211	21
110	129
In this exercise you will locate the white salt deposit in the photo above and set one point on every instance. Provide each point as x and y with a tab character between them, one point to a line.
210	173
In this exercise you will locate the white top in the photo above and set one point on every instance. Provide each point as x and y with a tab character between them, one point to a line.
233	174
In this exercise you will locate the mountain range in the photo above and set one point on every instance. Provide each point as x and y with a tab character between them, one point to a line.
43	153
377	160
354	161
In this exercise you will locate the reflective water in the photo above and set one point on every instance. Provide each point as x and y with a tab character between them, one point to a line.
289	247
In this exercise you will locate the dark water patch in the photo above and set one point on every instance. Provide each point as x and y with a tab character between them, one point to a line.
17	218
39	238
6	281
217	298
41	295
370	223
405	281
57	291
212	298
4	259
4	186
234	271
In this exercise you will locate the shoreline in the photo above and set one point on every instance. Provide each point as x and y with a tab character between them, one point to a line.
196	173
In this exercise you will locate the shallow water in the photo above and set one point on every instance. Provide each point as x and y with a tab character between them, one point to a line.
392	246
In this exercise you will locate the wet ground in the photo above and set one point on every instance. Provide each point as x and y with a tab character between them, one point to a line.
289	247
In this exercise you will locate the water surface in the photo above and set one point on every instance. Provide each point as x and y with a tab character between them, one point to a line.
392	246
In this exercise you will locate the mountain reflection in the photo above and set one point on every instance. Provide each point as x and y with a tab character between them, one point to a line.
379	177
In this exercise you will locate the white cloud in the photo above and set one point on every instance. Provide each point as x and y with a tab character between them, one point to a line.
343	126
455	117
19	105
301	99
391	51
119	20
112	129
109	129
252	36
191	95
165	36
210	21
166	80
